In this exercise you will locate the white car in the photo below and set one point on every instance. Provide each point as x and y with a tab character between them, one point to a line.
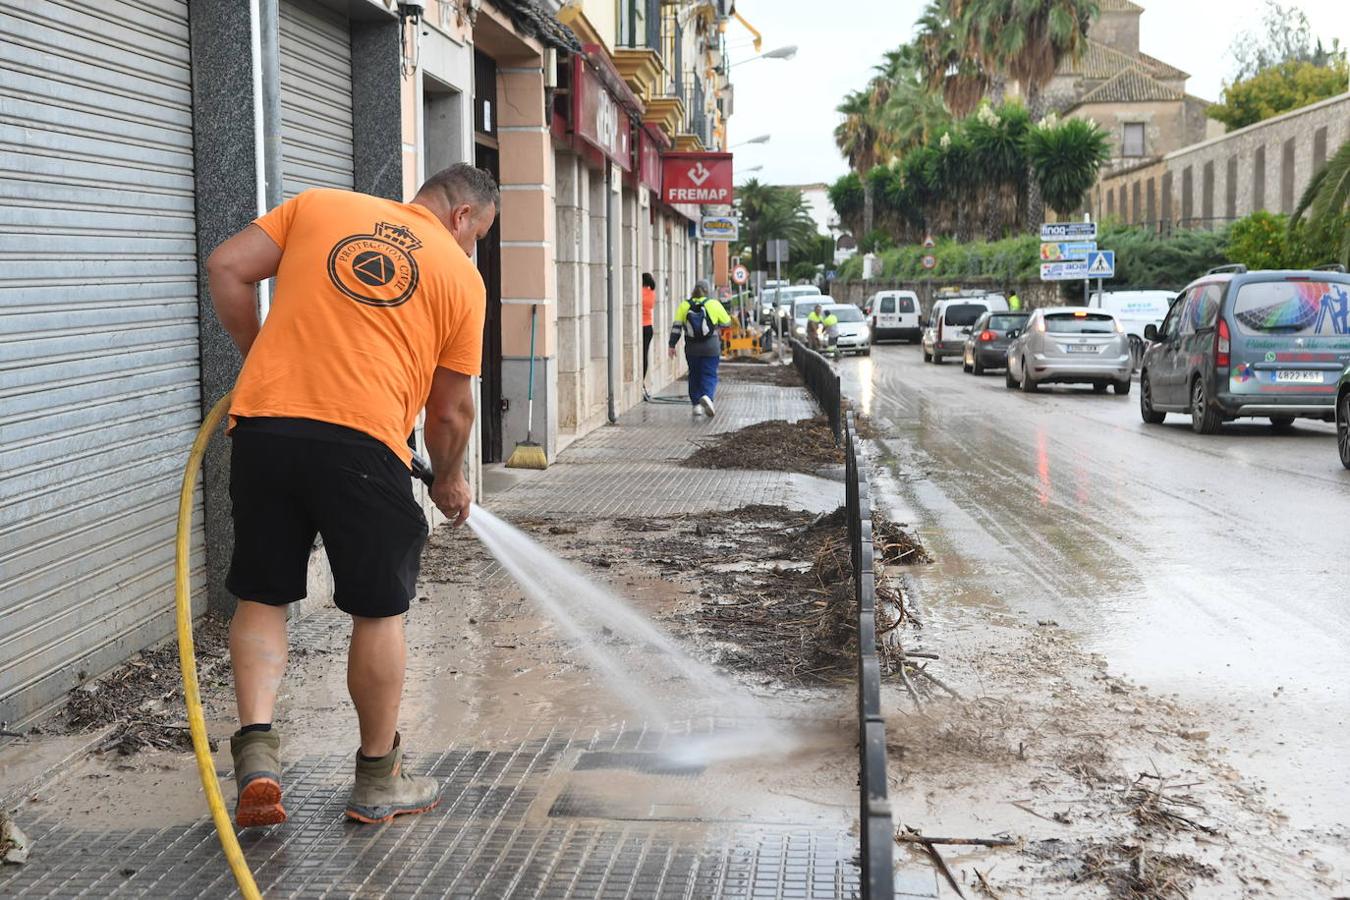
854	335
801	308
1135	310
950	322
894	314
785	299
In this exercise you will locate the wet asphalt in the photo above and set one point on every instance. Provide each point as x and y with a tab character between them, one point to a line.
1213	567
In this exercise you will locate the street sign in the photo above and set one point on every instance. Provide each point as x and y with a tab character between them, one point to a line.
1065	251
1072	231
929	260
1064	271
740	274
719	228
1101	264
929	243
703	178
778	251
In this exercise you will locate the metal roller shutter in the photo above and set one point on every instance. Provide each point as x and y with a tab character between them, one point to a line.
99	372
316	98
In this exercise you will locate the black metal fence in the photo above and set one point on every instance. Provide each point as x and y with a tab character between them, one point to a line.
874	808
823	383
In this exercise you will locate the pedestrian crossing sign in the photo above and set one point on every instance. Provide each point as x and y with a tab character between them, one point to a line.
1101	264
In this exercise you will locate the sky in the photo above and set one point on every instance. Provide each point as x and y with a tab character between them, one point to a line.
794	100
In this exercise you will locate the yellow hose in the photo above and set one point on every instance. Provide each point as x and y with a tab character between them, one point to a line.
187	658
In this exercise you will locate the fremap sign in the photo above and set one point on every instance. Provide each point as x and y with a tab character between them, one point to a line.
702	178
599	119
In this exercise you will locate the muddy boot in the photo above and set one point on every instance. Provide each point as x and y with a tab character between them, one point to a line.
257	774
383	790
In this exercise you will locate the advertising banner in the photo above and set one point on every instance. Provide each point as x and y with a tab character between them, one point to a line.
599	119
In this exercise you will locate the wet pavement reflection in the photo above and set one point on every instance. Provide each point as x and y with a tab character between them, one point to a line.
1212	567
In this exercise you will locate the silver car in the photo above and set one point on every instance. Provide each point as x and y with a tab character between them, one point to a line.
1070	345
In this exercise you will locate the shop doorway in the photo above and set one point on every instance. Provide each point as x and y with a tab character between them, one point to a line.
489	258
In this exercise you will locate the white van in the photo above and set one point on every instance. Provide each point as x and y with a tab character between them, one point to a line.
950	321
894	314
1136	310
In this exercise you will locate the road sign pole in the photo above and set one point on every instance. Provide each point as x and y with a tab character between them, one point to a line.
1086	282
778	295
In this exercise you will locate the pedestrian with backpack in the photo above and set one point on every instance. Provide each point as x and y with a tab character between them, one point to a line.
699	321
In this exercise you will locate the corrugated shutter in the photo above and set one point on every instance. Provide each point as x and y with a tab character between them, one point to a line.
99	372
316	98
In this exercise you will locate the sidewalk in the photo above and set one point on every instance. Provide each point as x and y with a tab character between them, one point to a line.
552	790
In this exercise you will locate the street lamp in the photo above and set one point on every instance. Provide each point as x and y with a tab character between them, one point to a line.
762	139
752	169
781	53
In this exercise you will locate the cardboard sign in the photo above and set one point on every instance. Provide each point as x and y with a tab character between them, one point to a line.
702	178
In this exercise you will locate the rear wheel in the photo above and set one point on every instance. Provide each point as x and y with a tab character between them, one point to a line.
1028	385
977	367
1281	423
1205	418
937	358
1099	387
1122	387
927	357
1343	428
966	366
1008	381
1150	415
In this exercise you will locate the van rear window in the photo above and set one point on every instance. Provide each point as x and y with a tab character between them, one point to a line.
1068	323
904	304
963	314
1293	307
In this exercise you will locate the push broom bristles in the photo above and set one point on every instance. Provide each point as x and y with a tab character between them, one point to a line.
527	455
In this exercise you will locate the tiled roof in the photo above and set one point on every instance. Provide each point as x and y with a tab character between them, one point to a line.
1163	70
533	20
1130	86
1120	6
1100	62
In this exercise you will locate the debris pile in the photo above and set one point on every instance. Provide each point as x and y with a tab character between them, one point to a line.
805	446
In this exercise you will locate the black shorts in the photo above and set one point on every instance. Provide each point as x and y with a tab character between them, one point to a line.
291	479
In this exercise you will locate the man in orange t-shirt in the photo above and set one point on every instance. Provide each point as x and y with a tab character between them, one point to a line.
377	313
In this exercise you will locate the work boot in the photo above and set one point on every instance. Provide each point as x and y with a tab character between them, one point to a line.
257	775
383	790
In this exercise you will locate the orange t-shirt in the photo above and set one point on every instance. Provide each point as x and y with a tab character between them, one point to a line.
371	296
648	304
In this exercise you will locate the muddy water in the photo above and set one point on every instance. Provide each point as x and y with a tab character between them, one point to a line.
1215	568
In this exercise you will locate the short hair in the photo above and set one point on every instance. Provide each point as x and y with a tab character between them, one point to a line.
701	288
463	183
647	280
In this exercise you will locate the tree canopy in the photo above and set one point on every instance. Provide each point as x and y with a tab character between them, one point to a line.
1279	88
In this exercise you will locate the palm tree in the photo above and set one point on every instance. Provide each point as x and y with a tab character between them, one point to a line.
861	140
1065	159
769	212
946	42
1326	203
1028	39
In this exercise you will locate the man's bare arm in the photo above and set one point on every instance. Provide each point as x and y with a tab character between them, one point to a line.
450	413
233	271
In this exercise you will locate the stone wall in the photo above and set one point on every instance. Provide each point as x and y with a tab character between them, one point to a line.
1265	166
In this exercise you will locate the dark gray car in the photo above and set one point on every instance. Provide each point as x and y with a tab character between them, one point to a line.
987	342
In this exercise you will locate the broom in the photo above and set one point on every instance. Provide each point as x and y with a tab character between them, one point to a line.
529	455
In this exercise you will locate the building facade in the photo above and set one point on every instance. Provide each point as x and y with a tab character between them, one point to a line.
138	136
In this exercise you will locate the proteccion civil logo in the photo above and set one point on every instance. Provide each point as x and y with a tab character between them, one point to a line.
376	269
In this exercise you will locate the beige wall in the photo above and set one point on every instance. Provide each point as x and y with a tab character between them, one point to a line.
1263	167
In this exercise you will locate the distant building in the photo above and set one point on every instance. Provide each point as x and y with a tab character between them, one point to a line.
1139	100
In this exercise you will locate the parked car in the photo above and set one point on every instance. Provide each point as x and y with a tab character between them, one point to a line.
1136	310
854	334
1236	344
1343	417
1070	345
785	300
950	322
894	314
987	343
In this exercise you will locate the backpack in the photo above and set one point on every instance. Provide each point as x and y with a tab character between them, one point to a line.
697	325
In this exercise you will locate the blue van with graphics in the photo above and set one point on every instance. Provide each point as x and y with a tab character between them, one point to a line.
1242	344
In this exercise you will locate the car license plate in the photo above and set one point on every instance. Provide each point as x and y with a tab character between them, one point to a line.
1082	348
1289	376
